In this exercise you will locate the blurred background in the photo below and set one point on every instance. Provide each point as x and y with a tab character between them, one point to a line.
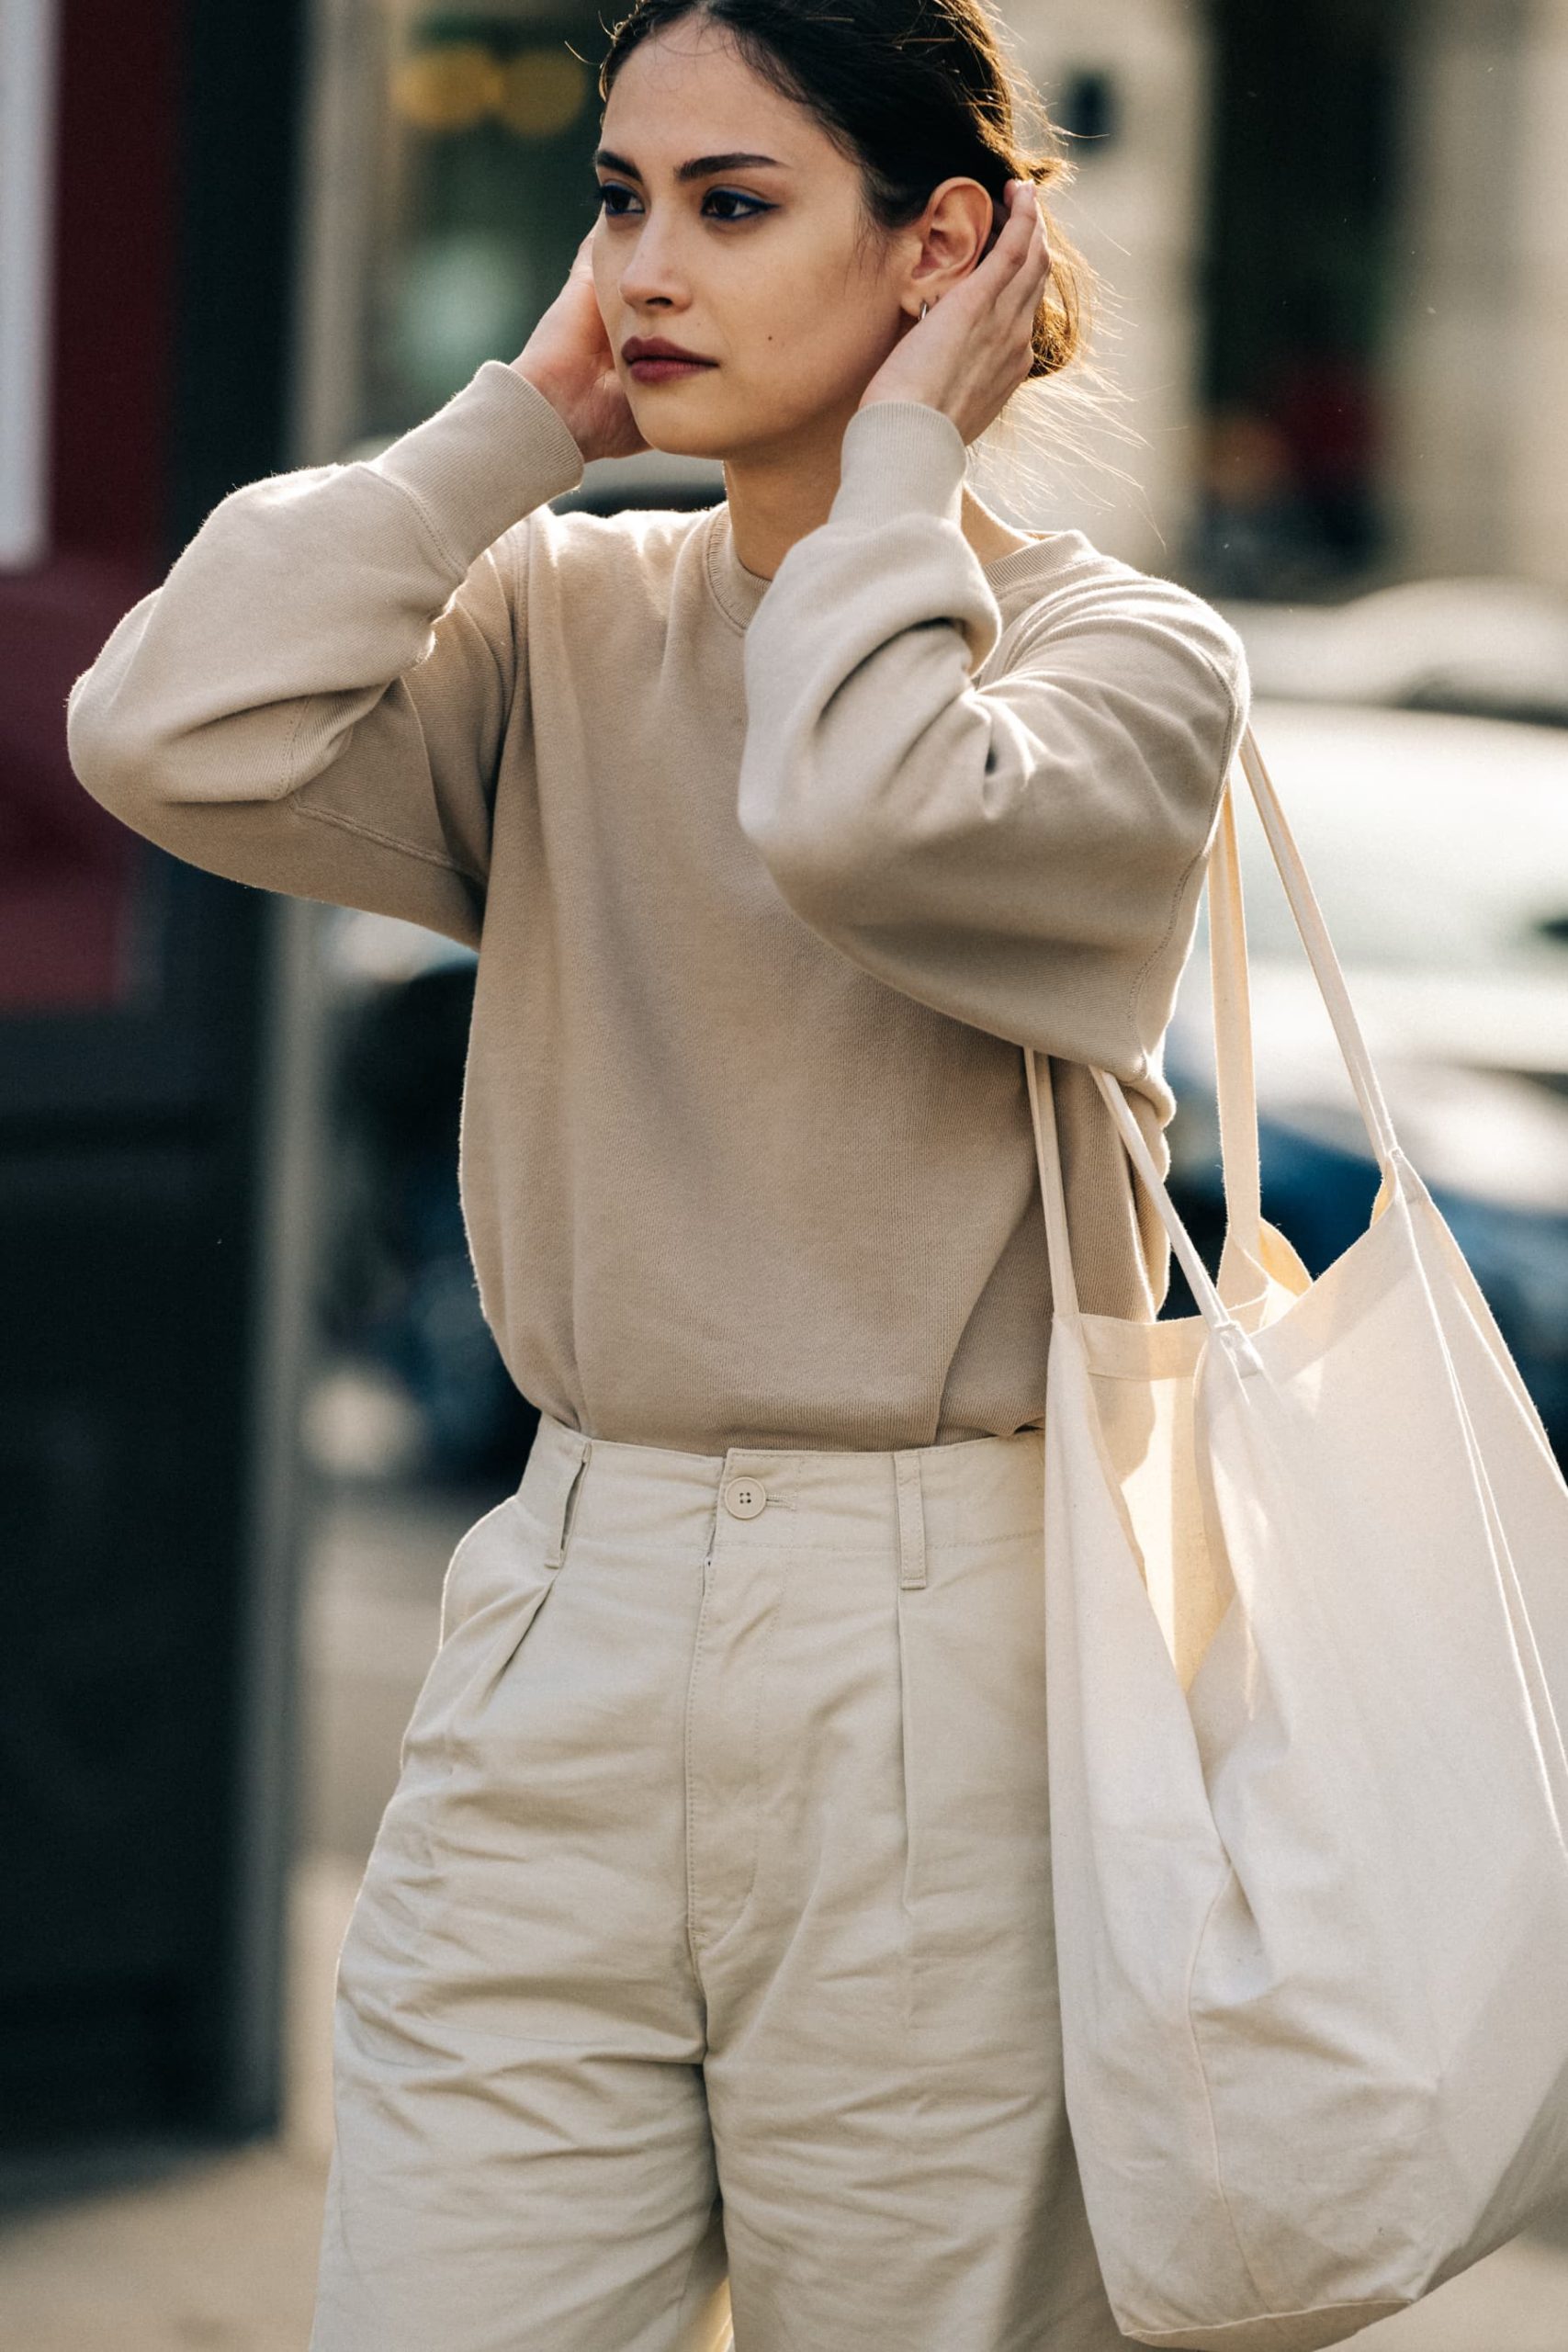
249	1403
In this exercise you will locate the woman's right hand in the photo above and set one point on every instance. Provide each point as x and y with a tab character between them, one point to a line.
567	357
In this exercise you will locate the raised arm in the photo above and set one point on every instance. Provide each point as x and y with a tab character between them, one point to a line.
1025	853
314	699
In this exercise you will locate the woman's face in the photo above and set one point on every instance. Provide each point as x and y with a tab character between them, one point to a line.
762	267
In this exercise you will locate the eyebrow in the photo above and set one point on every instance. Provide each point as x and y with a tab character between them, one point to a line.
698	168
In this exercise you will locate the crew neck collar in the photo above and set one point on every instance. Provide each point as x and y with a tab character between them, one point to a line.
738	591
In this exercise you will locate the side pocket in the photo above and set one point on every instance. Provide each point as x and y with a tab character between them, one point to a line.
492	1570
496	1582
455	1604
570	1514
909	1601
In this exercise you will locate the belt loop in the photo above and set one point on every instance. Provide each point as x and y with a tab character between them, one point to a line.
574	1463
912	1521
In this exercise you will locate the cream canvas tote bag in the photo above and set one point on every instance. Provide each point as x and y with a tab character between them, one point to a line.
1306	1591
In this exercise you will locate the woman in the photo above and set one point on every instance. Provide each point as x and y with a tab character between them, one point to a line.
707	1934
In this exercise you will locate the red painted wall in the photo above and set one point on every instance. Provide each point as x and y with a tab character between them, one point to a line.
66	868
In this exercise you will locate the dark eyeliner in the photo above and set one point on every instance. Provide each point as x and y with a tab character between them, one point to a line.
755	205
738	195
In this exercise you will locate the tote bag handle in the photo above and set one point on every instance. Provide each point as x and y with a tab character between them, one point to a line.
1236	1082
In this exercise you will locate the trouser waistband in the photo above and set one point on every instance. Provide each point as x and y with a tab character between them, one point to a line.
904	1500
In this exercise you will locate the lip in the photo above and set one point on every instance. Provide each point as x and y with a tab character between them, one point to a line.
655	346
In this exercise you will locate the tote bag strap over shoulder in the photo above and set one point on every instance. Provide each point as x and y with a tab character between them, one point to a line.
1236	1082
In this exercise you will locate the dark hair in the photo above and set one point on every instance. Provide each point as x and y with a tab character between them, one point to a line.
914	92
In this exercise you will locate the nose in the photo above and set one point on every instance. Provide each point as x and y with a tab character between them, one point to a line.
652	272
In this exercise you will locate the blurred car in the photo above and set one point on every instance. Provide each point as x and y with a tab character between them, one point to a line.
1479	646
1437	845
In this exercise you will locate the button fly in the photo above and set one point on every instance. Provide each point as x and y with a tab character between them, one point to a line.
744	1497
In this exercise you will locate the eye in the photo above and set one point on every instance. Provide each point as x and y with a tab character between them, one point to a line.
734	195
612	191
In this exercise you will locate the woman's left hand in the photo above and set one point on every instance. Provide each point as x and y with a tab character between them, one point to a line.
974	348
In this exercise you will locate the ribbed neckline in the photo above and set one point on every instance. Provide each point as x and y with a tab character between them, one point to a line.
738	591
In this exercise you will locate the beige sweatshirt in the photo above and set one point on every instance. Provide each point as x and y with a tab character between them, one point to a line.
769	882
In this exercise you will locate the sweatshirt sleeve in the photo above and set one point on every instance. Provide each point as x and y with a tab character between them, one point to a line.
1025	852
314	700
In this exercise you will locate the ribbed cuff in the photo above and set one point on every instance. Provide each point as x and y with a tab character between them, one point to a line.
899	458
494	452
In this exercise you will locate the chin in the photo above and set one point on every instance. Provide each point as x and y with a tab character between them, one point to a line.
665	434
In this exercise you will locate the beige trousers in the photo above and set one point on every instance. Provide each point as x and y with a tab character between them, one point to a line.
704	1953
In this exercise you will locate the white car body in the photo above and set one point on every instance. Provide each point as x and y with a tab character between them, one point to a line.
1438	848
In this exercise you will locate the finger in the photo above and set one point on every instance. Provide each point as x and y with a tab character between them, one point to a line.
1005	238
1035	217
1027	231
987	284
1006	281
1022	294
1038	264
1037	267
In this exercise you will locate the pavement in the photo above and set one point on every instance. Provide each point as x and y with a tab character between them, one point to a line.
201	2253
216	2253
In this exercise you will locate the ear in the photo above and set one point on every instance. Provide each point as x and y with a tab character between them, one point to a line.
958	230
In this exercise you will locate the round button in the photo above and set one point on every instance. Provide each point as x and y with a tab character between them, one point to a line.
744	1497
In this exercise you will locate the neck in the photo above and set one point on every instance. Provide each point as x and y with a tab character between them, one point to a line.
775	498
